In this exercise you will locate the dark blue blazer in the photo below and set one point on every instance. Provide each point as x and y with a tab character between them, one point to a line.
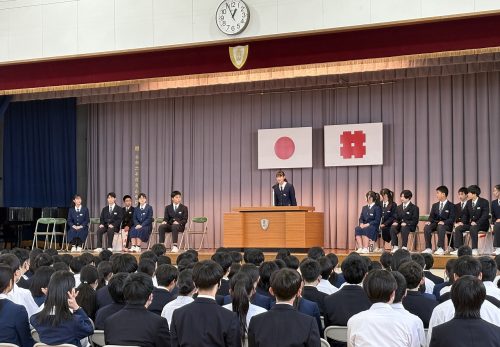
144	217
258	299
39	300
114	218
371	215
78	219
127	217
495	211
410	215
103	297
389	214
465	333
285	197
479	214
161	297
104	313
180	216
438	287
447	215
309	308
420	305
15	327
71	331
459	212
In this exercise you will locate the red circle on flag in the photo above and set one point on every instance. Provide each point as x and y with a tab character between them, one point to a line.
284	147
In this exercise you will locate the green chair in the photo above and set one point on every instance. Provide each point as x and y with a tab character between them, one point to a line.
416	234
47	222
156	224
203	221
94	223
63	222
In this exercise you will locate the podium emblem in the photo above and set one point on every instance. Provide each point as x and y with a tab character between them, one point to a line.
264	224
238	55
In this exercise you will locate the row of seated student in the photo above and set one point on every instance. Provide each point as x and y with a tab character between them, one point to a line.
278	302
382	217
134	222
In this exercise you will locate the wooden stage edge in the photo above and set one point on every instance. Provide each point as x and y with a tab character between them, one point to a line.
439	260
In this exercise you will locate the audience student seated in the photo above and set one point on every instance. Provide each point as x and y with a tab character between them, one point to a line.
19	295
134	325
62	320
15	327
364	329
335	279
263	301
186	291
166	276
429	285
266	269
444	312
40	282
24	259
467	327
414	301
283	325
115	288
109	222
429	263
225	261
86	298
415	323
192	322
406	221
311	274
489	271
441	220
448	273
327	271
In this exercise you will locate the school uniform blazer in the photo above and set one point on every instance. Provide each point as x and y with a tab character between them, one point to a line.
161	297
313	294
204	323
465	333
79	219
127	220
180	216
389	214
103	297
285	197
144	217
410	215
434	278
479	214
224	287
105	312
345	303
495	210
114	218
447	215
283	326
371	215
134	325
419	305
459	212
15	325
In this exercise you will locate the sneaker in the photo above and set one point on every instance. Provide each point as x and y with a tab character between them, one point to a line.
98	250
364	251
359	250
427	250
405	248
378	250
497	251
73	249
110	249
439	251
78	249
394	249
133	249
175	249
138	249
454	252
475	251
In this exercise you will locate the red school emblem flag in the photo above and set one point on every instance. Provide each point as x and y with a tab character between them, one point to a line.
354	144
285	148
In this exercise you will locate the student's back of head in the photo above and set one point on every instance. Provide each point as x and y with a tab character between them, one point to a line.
236	256
241	289
252	271
468	294
315	253
146	266
429	260
292	262
148	255
6	279
253	256
124	263
163	259
326	267
11	261
419	259
265	271
115	287
386	260
449	268
285	284
40	280
354	268
223	259
158	249
282	253
399	257
137	288
413	274
310	270
467	265
380	286
86	290
76	265
400	286
488	269
185	283
207	274
166	274
464	250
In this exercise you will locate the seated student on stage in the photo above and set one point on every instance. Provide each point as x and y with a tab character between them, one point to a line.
441	219
444	312
283	325
19	295
429	263
174	220
13	318
467	327
417	327
406	221
127	221
78	224
225	261
369	222
495	218
415	301
86	298
191	322
186	291
115	288
40	283
242	289
134	325
475	218
463	196
363	329
389	208
311	274
110	221
166	276
62	320
143	220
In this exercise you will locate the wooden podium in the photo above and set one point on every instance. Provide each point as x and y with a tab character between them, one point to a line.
273	227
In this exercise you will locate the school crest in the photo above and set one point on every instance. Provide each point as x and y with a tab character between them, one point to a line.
264	224
238	55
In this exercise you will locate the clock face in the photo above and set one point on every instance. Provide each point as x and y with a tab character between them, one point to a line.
232	16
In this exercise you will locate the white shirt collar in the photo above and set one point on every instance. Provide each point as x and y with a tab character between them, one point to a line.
398	306
3	296
282	186
380	306
444	202
143	206
475	201
371	205
112	206
206	296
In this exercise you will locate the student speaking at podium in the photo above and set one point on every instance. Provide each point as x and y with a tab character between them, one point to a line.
284	193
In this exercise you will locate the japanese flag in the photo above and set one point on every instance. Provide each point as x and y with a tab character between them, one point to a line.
354	144
285	148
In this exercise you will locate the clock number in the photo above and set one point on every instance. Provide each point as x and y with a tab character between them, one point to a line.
233	4
223	11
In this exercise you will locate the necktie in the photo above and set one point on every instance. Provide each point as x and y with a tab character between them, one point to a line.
281	188
404	207
440	207
473	204
175	208
110	209
463	205
77	210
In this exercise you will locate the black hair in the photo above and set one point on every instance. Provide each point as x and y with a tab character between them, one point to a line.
412	272
125	197
22	254
146	266
280	173
266	270
442	189
43	259
163	259
6	277
419	258
399	257
236	256
40	280
468	294
429	260
56	308
375	265
115	287
467	265
285	284
185	264
386	260
463	190
464	250
188	256
148	255
449	268
112	194
315	253
105	270
253	256
407	194
76	265
206	274
326	267
474	189
354	268
60	265
166	274
33	254
142	195
174	193
159	249
241	289
67	258
124	263
400	286
292	262
223	259
389	193
282	253
221	249
379	285
251	270
51	251
497	261
185	282
374	196
233	270
497	186
87	258
10	260
86	293
137	288
105	255
193	253
281	263
310	270
488	269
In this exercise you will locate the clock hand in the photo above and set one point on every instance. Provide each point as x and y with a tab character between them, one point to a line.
229	9
233	13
